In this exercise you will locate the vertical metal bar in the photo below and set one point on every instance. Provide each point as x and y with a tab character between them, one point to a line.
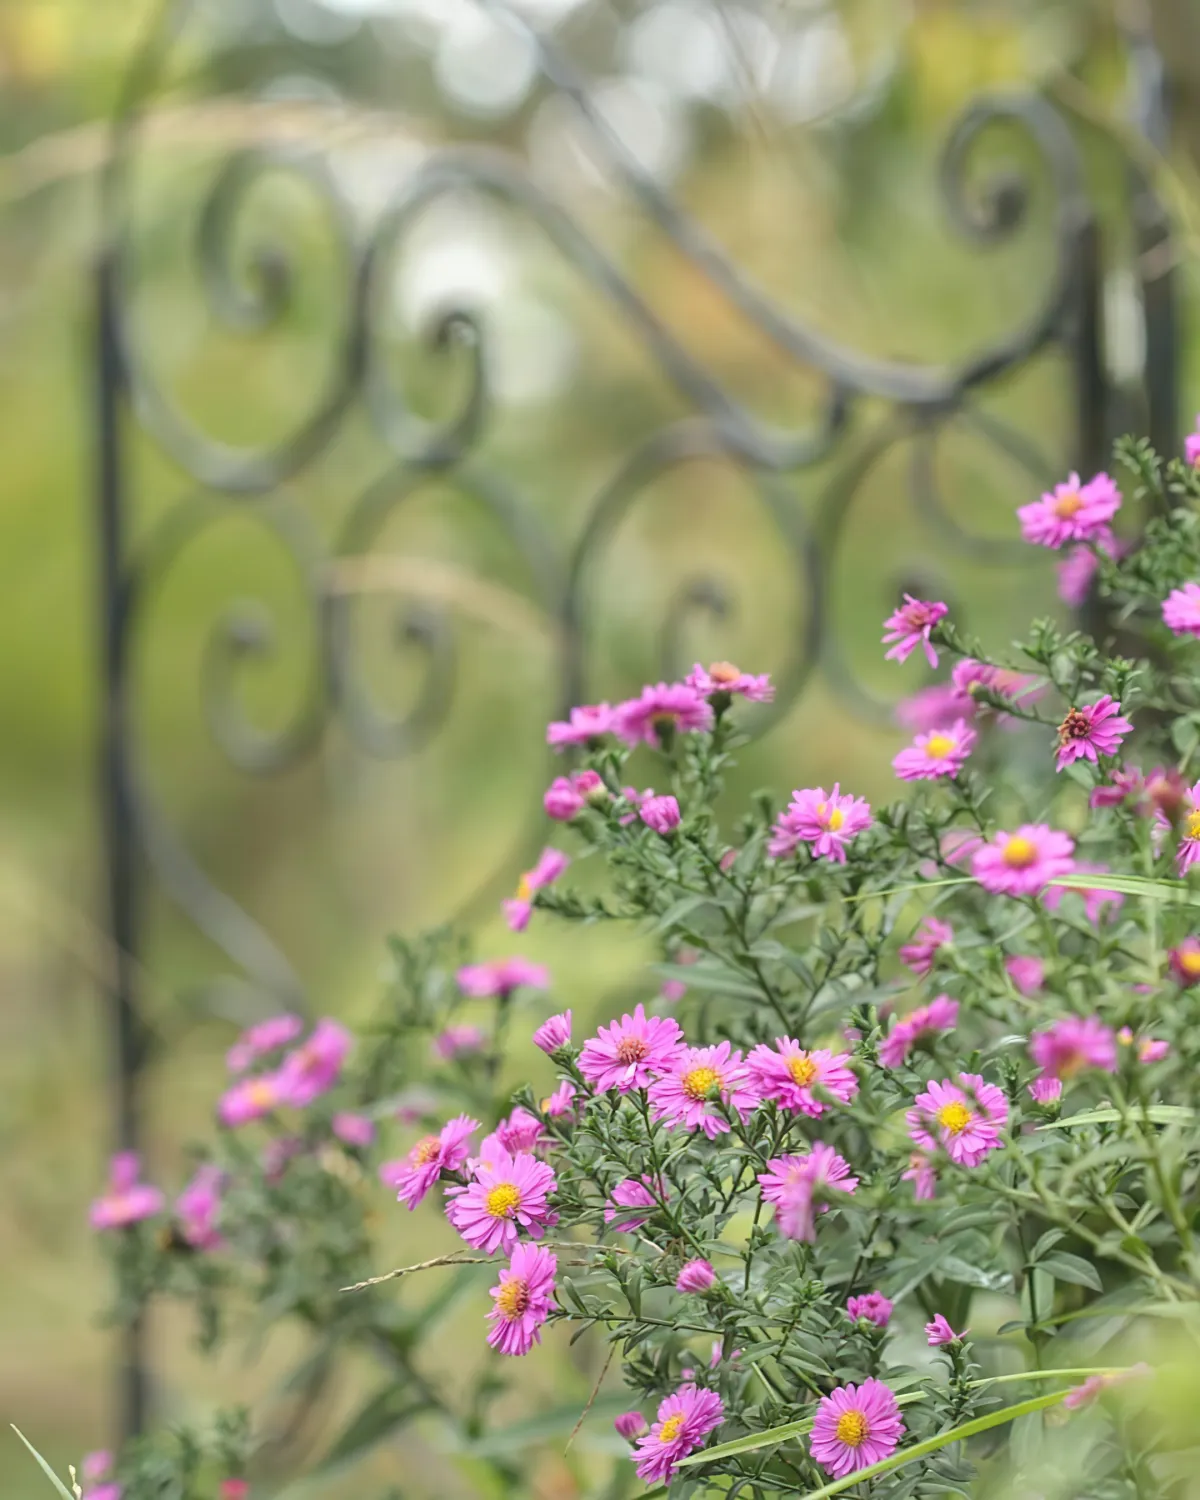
119	831
1092	436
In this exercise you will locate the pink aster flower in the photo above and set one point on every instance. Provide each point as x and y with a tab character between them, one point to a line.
631	1193
938	1333
266	1036
1095	898
1027	973
413	1175
233	1489
353	1130
628	1053
969	676
1126	785
1072	512
554	1034
251	1099
939	1015
660	814
1185	962
198	1208
1149	1050
695	1276
586	725
931	936
798	1080
1021	863
958	846
856	1426
519	908
684	1420
521	1131
910	627
941	752
1073	1044
825	822
563	800
800	1187
660	712
1181	610
127	1201
965	1119
561	1103
506	1194
459	1040
1087	733
934	707
314	1067
631	1425
1189	829
874	1307
499	977
522	1300
1080	566
96	1465
723	679
1096	1385
110	1490
690	1087
1046	1090
922	1175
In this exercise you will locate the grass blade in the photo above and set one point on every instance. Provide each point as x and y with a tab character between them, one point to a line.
44	1466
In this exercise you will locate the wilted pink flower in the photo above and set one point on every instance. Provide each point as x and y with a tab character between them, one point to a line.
413	1175
522	1300
825	822
459	1040
1026	972
874	1307
684	1420
798	1080
940	752
1185	961
266	1036
586	724
314	1067
922	1175
965	1119
631	1193
628	1053
1089	732
1072	512
198	1208
521	1131
800	1187
695	1276
1181	610
660	814
554	1034
1095	899
929	937
1126	786
910	626
659	712
939	1015
1075	1043
499	977
939	1332
631	1425
251	1099
697	1081
855	1427
1046	1090
723	679
127	1201
519	908
561	1102
506	1194
1022	863
933	707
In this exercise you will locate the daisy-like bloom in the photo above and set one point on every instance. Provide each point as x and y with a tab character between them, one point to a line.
1185	962
628	1053
934	707
1181	610
922	1175
941	752
856	1426
910	627
1027	973
353	1130
691	1085
251	1099
723	680
660	813
413	1175
266	1036
1022	863
1126	785
789	1075
554	1034
561	1103
522	1300
521	1131
695	1276
519	908
587	725
127	1201
314	1067
1087	733
506	1194
939	1015
800	1187
1072	512
456	1041
964	1119
825	822
939	1332
1095	899
684	1420
1073	1044
499	977
198	1207
631	1193
874	1307
660	712
1189	829
929	937
1046	1090
631	1425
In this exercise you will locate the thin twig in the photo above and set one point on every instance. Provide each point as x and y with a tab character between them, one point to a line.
612	1349
424	1265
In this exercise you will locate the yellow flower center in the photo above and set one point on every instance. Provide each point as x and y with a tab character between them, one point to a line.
425	1151
954	1117
1193	825
802	1069
699	1081
1065	506
937	746
1189	961
262	1094
724	672
835	820
546	1103
669	1430
503	1200
525	888
513	1298
852	1429
1020	853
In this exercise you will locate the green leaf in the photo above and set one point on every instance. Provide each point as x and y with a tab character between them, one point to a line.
675	914
380	1415
44	1466
710	978
518	1435
1065	1267
1155	1114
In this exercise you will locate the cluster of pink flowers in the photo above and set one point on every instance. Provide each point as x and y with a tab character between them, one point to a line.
825	821
303	1075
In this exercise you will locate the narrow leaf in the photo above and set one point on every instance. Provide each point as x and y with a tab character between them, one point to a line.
44	1466
1155	1114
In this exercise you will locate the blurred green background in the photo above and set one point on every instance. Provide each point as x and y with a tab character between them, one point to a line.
804	135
